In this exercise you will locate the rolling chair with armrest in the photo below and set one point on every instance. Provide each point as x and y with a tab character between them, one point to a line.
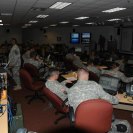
28	83
93	116
33	71
58	104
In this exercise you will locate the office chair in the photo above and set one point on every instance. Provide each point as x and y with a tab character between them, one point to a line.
28	83
94	116
33	71
58	104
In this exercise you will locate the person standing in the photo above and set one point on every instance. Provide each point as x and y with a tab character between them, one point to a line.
102	43
14	63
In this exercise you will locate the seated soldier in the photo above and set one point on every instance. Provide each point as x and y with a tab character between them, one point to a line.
91	67
84	90
114	72
53	85
35	60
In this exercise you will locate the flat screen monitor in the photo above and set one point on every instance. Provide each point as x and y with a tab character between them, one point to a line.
109	83
86	38
75	38
78	49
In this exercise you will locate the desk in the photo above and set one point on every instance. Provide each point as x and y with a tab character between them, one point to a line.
125	103
71	76
4	119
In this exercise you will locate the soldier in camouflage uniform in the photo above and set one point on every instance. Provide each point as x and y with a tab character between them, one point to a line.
14	63
114	72
84	90
53	85
34	60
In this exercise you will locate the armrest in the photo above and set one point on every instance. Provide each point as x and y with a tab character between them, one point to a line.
64	102
71	115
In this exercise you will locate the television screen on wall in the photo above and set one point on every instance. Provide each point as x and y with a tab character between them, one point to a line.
75	38
86	38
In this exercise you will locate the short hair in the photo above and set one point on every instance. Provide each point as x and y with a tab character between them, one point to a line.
115	64
50	72
14	39
33	54
83	68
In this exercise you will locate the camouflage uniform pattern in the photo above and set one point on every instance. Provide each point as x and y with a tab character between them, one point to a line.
85	90
118	74
35	63
15	62
94	70
56	88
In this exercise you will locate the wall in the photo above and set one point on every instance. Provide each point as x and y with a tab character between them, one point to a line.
14	32
50	37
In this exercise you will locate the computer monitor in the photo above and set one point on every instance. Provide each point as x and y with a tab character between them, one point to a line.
86	38
75	38
109	83
78	49
129	89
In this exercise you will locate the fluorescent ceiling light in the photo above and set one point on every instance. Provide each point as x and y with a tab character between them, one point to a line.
6	14
115	19
42	16
114	10
90	23
75	25
60	5
0	21
33	21
53	25
81	18
65	22
1	24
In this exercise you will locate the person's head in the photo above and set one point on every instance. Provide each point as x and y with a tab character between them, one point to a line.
33	55
90	63
115	66
52	74
83	73
14	41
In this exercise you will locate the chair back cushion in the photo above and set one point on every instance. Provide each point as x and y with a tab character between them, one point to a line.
55	100
31	69
26	79
94	116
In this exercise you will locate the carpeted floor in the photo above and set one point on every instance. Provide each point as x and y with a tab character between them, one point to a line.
40	117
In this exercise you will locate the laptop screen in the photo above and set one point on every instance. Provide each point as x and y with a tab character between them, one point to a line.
109	83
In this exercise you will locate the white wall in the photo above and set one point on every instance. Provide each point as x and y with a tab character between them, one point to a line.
52	33
14	32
